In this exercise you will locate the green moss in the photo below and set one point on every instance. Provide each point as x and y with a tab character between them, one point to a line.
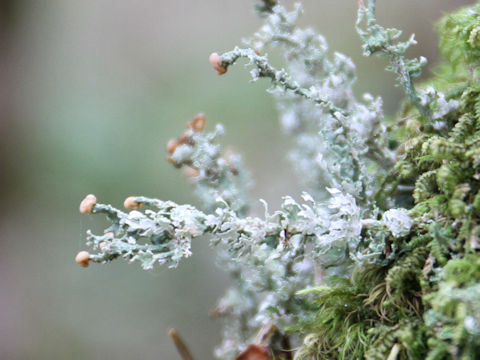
425	303
459	36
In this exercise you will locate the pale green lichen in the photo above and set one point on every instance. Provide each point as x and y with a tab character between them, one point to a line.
339	141
346	273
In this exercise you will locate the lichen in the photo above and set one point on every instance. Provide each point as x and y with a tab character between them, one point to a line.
380	258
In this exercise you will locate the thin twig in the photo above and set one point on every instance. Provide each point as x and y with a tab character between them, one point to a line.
180	345
264	334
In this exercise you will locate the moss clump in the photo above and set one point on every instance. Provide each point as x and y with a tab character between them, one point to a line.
424	302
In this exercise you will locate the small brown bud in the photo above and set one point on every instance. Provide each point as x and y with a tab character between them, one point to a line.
216	62
191	172
102	244
82	258
198	123
131	203
87	204
228	157
171	161
171	146
182	140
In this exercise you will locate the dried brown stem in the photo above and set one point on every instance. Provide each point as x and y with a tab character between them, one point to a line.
180	345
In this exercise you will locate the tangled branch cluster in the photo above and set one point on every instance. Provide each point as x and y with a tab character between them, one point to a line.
347	273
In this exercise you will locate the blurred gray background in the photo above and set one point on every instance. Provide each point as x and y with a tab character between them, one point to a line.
90	92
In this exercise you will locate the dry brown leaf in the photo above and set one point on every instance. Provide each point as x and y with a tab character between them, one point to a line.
255	352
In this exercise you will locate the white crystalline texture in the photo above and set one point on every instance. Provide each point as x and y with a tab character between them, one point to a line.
397	221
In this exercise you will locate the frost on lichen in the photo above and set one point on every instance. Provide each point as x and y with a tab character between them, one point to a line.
380	258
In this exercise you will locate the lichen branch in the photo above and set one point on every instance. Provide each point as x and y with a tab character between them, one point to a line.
377	39
279	78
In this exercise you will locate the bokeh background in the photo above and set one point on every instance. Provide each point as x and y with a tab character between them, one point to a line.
90	92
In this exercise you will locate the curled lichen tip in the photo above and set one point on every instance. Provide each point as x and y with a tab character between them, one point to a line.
216	63
171	146
131	203
82	258
87	204
198	123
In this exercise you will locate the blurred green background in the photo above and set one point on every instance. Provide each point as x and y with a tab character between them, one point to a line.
90	92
